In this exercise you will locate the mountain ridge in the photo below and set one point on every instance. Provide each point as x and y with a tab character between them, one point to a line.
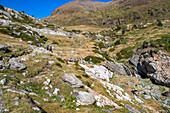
109	13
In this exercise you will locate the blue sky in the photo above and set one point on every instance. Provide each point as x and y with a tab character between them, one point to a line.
38	8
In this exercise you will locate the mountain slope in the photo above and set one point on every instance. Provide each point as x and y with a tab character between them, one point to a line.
85	71
109	13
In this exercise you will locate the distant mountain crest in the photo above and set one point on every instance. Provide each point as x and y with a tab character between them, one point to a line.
115	12
83	0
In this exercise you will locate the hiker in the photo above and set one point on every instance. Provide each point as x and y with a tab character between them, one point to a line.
47	47
50	48
135	90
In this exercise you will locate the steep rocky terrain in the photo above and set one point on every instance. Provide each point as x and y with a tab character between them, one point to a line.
86	71
116	12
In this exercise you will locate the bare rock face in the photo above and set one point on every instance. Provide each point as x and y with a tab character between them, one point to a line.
116	67
16	64
72	80
84	98
152	64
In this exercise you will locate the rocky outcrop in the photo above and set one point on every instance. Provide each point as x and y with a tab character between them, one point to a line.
116	67
72	80
98	72
84	98
152	64
16	64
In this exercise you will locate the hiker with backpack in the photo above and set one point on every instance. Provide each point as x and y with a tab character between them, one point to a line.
135	91
50	48
47	47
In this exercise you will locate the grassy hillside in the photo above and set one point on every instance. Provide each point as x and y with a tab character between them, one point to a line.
110	13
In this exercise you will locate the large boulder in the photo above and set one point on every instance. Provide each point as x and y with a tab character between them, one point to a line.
72	80
16	64
98	72
84	98
116	67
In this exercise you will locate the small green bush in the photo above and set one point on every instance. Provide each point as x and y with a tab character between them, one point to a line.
22	28
164	41
86	76
58	64
159	23
96	51
117	42
54	42
111	49
61	60
5	31
125	53
94	59
101	45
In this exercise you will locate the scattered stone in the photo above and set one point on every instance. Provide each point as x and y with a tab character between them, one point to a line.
16	98
30	42
16	64
62	98
50	94
72	80
147	96
15	50
47	82
45	99
155	87
56	91
38	60
32	93
37	102
24	74
36	108
99	104
51	62
51	75
3	81
77	109
148	87
28	89
16	103
84	98
131	109
167	93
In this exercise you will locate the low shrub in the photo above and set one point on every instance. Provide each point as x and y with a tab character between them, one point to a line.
159	23
61	60
58	64
86	76
111	49
94	59
54	42
125	53
101	45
